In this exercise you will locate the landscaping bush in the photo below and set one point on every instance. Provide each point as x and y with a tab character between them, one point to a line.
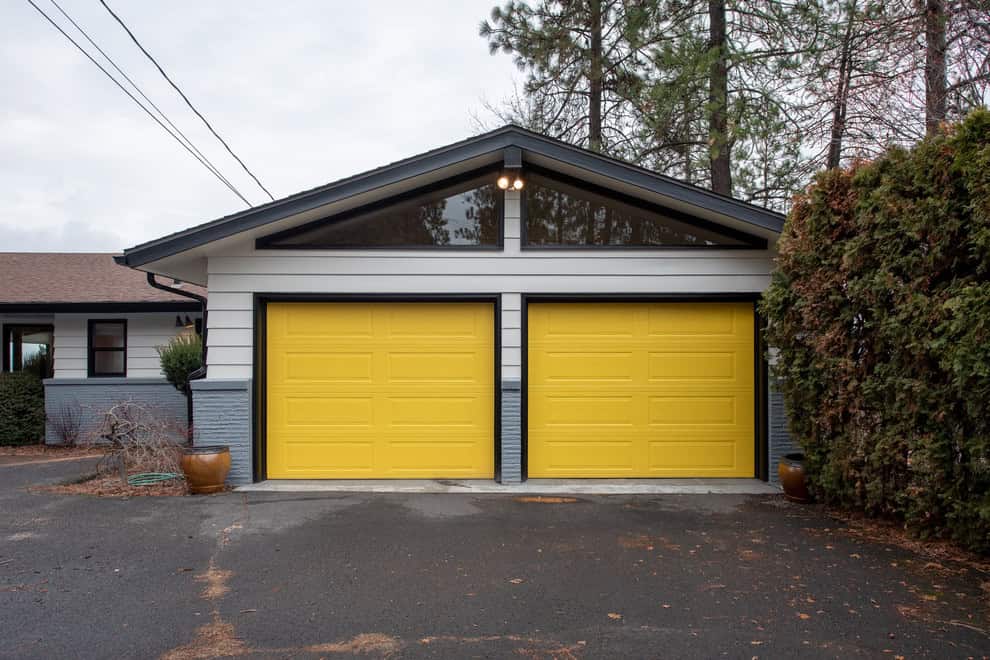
880	310
179	358
22	409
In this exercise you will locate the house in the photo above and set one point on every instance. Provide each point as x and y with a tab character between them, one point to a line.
90	329
505	307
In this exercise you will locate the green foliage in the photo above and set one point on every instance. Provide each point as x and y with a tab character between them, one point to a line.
180	357
22	409
880	310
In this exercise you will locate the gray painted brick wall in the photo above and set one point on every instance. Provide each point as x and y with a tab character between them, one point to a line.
781	441
511	431
88	399
222	416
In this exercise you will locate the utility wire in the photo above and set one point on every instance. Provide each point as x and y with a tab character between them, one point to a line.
134	98
185	98
175	128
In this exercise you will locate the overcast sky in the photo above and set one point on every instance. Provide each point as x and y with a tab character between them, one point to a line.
305	92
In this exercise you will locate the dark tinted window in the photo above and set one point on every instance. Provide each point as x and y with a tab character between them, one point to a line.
108	348
559	214
463	215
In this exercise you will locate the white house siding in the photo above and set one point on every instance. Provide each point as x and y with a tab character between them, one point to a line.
234	276
145	332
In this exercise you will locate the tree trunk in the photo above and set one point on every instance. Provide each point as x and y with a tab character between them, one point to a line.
935	73
718	96
595	78
834	157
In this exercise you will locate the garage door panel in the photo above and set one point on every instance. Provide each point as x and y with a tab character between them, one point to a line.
323	412
585	366
676	388
466	367
398	390
688	457
694	320
562	458
316	366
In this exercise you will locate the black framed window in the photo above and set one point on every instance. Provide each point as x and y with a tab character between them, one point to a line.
563	213
458	213
107	348
29	348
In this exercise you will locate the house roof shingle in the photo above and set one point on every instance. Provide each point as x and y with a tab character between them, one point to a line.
39	278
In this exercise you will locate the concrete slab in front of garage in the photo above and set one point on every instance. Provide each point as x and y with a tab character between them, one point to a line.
529	487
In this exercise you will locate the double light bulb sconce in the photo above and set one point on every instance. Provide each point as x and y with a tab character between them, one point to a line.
510	180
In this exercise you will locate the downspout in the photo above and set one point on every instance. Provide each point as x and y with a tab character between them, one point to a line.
201	372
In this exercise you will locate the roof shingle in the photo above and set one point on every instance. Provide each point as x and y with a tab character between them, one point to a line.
76	277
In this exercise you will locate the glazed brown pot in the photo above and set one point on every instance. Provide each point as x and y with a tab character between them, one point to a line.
791	473
206	468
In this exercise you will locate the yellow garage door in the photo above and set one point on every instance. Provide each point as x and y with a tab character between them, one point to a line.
380	390
641	390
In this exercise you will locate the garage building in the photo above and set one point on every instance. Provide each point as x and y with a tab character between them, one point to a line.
506	307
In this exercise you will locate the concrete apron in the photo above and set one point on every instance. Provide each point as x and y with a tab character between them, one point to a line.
530	486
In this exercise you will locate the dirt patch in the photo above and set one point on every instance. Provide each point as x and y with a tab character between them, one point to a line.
214	640
51	451
216	582
644	542
543	499
365	644
112	486
885	532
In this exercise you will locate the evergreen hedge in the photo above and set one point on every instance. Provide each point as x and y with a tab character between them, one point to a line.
22	409
880	311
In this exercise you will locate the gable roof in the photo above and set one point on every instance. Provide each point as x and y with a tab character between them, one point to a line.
497	141
70	280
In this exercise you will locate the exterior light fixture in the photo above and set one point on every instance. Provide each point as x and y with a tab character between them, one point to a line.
178	322
511	179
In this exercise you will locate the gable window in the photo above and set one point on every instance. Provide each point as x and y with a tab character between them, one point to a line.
28	348
560	213
463	213
108	348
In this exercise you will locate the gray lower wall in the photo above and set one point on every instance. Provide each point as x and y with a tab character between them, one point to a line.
222	416
82	402
781	441
511	436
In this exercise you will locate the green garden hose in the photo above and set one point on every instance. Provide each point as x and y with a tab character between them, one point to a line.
151	478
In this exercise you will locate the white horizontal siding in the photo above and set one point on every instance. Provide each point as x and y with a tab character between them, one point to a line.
236	275
145	333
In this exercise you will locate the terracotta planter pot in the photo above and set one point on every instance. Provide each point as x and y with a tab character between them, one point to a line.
206	468
791	473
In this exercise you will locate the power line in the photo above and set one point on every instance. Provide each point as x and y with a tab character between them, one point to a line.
138	89
134	98
185	98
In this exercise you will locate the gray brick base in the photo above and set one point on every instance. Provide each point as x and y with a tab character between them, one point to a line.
87	399
781	441
511	432
222	416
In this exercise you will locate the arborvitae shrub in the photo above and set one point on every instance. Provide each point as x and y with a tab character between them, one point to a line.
22	409
880	311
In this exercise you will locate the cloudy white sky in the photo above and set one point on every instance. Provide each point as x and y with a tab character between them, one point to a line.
304	91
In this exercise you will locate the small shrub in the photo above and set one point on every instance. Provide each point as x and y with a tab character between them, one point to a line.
138	439
66	424
22	409
880	308
181	357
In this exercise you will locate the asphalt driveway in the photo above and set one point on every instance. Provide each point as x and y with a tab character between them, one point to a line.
342	575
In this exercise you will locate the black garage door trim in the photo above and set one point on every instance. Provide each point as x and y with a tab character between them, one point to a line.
760	384
259	440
